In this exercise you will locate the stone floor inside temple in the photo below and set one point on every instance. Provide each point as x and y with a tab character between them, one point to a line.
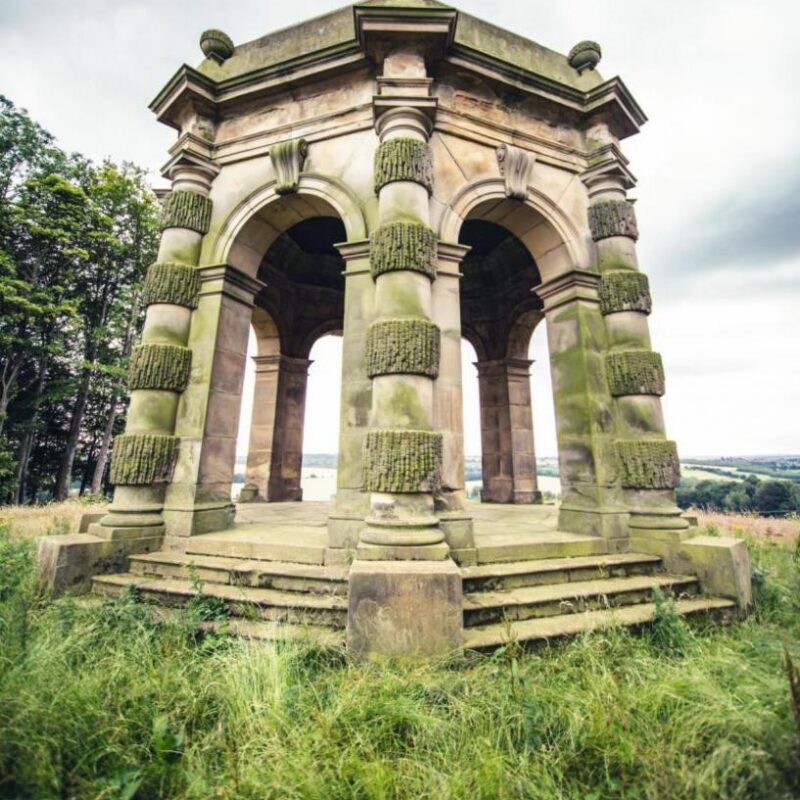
502	532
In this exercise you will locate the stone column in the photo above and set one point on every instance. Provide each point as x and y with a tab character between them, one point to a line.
648	463
404	590
590	496
403	451
507	450
454	518
352	500
287	442
275	453
144	456
198	499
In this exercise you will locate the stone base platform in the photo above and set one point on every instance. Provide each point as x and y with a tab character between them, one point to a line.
530	582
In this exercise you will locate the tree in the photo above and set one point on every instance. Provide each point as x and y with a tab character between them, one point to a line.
774	497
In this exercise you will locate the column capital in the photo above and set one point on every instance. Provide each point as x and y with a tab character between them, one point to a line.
608	177
227	280
279	362
512	367
190	167
397	116
579	284
449	256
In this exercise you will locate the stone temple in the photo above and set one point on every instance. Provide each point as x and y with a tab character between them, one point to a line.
404	175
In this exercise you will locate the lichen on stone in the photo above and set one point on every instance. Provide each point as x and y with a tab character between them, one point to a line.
402	461
624	291
403	159
143	459
160	366
171	283
646	464
613	218
403	346
403	246
186	209
635	372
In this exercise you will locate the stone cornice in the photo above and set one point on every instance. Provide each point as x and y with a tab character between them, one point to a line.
227	280
610	102
579	284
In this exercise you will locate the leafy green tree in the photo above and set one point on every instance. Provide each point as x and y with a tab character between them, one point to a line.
774	497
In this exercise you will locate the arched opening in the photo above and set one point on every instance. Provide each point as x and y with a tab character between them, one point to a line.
321	431
500	311
473	471
302	301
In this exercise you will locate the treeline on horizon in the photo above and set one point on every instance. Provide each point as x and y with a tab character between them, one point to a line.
76	239
769	498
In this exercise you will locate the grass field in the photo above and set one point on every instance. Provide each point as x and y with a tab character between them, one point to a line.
102	702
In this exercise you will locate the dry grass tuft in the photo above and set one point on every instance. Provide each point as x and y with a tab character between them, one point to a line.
29	522
766	529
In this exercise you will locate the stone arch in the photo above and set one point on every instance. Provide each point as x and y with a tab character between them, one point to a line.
268	338
332	327
522	328
552	237
264	215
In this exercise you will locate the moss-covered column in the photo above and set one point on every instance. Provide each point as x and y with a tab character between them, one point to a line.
144	456
403	452
404	590
507	452
647	461
198	499
590	495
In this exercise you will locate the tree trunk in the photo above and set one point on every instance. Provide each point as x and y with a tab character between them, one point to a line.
26	446
61	491
105	446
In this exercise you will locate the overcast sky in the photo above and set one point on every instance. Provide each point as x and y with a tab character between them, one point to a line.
718	167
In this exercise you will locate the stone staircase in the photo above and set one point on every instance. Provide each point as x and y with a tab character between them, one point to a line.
552	587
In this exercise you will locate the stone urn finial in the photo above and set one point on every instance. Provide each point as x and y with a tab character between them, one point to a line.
216	44
585	55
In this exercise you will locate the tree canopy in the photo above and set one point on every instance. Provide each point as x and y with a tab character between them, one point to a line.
76	239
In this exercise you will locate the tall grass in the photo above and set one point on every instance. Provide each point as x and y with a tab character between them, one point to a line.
103	702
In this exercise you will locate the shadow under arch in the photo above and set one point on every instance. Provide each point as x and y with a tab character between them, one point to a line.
547	231
259	219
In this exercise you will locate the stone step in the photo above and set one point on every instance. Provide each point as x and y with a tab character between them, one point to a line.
494	548
547	628
517	574
482	608
240	601
282	575
255	542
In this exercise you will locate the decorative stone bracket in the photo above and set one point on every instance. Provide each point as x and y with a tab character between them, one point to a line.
516	167
288	159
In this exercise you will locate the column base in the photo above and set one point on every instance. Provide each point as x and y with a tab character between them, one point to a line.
72	560
250	494
199	519
404	609
610	523
414	539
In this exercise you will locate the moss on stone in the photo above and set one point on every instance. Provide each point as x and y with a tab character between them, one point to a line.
612	218
403	246
646	464
635	372
403	159
624	291
186	209
172	283
403	346
143	459
160	366
402	461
